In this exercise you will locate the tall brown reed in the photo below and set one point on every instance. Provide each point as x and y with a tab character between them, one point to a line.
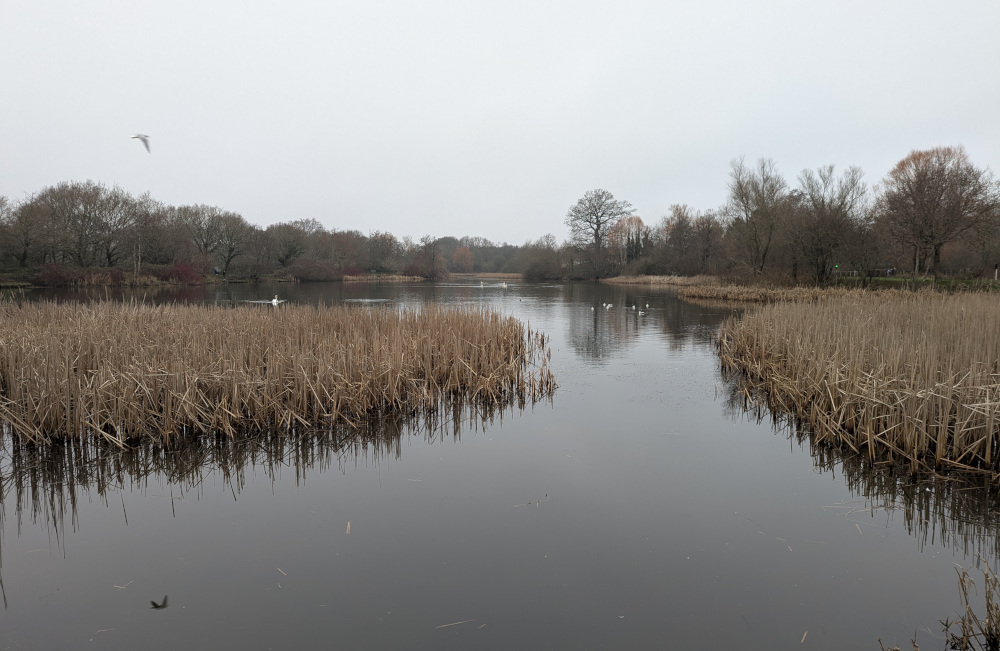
897	376
762	294
133	370
667	281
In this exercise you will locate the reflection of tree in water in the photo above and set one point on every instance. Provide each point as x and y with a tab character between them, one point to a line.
958	510
46	483
600	333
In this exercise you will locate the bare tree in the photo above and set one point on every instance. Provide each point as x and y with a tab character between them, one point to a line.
383	252
756	210
626	240
27	228
707	240
827	209
589	221
932	197
234	238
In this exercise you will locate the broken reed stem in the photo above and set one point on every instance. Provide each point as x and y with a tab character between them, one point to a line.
891	375
127	371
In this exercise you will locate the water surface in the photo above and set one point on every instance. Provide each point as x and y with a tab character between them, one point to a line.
640	509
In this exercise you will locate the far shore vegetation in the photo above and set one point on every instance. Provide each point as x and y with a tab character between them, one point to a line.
128	372
934	215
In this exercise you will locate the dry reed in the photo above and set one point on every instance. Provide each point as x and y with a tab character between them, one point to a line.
763	294
669	281
898	376
387	278
130	371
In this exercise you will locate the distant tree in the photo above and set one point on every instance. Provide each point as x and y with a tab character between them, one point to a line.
383	252
984	240
827	208
89	221
203	225
234	238
118	215
756	210
933	197
590	220
26	228
462	261
707	240
626	240
290	241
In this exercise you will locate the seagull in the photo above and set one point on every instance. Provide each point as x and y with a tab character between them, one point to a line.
145	140
159	606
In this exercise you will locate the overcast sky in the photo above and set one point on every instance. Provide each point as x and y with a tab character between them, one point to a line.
481	118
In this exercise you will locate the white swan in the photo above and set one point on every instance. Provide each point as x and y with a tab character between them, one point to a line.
275	302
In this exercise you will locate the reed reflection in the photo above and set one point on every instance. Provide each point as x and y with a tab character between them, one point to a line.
957	510
44	484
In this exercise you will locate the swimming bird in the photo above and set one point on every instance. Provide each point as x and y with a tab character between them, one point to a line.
608	306
641	313
275	302
159	606
504	284
145	140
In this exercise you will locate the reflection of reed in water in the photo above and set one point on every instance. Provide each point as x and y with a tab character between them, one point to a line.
46	482
957	509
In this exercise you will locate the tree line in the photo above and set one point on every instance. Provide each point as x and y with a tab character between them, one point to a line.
934	212
72	229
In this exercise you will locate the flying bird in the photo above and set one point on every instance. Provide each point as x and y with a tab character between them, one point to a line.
145	140
159	606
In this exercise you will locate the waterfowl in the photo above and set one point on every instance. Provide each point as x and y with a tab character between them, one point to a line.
145	140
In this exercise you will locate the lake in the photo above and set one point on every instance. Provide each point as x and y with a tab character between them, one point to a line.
642	508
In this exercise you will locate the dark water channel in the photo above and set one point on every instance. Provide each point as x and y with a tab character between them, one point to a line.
641	509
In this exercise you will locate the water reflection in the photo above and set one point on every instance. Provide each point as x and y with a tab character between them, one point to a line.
629	512
957	510
47	483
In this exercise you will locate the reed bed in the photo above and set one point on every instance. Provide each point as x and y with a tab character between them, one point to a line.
896	376
387	278
131	371
667	281
763	294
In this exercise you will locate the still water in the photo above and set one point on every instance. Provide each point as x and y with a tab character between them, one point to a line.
641	508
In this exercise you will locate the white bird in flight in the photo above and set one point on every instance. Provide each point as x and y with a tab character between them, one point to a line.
145	140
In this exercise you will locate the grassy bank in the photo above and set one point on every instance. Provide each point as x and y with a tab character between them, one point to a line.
899	376
131	371
762	294
388	278
661	281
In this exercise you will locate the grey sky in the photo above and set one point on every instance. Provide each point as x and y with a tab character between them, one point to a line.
480	118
